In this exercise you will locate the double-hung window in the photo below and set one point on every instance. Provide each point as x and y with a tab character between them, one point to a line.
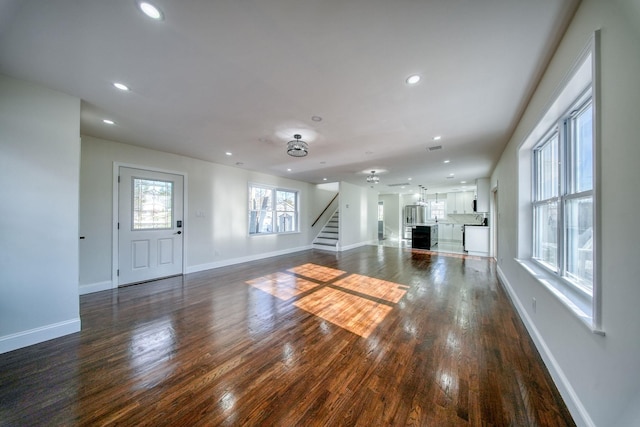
558	191
272	210
437	209
563	197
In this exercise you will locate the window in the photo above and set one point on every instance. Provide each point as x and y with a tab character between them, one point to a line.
272	210
437	209
558	189
563	197
152	204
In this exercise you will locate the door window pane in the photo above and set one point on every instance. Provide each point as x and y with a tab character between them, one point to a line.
546	231
152	204
579	229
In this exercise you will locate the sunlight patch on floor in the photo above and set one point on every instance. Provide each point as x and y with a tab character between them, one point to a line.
353	313
282	285
317	272
377	288
359	305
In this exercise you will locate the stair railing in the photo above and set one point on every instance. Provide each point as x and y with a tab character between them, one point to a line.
325	209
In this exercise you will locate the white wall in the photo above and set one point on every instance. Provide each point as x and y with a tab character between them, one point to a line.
598	376
322	197
358	216
216	222
392	213
39	170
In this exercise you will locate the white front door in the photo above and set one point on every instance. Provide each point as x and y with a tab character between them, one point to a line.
150	228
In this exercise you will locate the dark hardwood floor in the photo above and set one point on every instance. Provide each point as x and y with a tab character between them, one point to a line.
373	336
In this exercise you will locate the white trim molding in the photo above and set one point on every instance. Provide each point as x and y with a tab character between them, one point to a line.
575	406
95	287
37	335
240	260
114	215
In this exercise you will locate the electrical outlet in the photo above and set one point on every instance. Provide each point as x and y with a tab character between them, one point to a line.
533	304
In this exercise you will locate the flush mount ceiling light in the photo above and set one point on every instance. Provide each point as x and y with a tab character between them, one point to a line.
297	147
150	10
373	178
413	79
108	122
121	86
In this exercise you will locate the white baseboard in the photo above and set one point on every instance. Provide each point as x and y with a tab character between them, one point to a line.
240	260
357	245
325	248
38	335
571	399
95	287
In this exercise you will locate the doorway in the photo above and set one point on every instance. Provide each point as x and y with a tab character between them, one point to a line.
495	216
149	225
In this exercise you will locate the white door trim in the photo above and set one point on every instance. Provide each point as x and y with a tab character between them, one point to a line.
114	215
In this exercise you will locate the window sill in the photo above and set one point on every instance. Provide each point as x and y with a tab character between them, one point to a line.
574	299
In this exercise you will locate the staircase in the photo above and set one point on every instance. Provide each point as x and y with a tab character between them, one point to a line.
329	237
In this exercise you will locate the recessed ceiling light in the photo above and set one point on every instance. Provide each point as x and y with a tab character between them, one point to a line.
150	10
316	118
108	122
463	182
121	86
228	153
413	79
408	179
451	174
437	138
324	179
288	169
447	161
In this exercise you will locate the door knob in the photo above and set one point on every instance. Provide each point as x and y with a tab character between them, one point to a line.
179	232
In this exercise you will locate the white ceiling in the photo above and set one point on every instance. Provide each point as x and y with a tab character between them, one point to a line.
245	75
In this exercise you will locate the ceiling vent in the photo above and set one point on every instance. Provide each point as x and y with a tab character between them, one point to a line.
435	148
398	185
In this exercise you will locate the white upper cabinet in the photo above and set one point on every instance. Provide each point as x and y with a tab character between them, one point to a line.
460	203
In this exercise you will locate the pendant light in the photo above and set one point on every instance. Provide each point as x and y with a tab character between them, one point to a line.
373	178
297	147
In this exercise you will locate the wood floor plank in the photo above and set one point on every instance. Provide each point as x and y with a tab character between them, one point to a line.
372	336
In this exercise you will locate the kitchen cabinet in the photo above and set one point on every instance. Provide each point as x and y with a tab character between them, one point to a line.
460	203
445	232
424	236
456	233
476	240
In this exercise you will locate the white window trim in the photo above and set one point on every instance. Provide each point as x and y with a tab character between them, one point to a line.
274	188
585	72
